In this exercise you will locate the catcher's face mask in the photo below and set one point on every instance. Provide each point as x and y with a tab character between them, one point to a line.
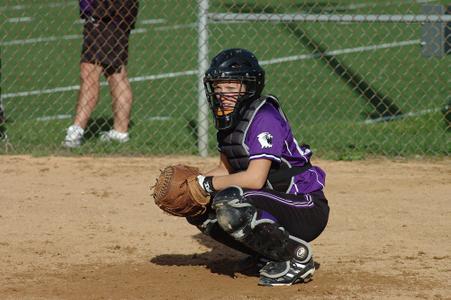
226	95
232	82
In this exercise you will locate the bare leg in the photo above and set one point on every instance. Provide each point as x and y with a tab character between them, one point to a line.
89	92
121	93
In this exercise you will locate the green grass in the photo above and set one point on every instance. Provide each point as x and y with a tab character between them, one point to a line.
324	111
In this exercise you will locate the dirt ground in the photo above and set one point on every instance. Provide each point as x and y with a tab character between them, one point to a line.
87	228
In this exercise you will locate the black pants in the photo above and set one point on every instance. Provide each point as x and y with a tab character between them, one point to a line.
304	216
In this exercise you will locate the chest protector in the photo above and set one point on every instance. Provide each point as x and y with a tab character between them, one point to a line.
231	144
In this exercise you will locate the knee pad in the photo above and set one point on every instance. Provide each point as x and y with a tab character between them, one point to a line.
275	243
264	236
233	215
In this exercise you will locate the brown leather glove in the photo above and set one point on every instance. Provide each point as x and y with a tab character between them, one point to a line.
178	193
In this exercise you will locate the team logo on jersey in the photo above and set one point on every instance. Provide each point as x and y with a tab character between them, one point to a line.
265	140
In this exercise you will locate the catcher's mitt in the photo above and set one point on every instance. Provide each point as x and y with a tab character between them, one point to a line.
178	193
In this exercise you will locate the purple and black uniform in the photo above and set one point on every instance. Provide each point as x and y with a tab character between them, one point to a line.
293	196
106	32
264	133
277	222
269	137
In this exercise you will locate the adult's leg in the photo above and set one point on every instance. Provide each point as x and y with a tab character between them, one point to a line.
89	92
122	96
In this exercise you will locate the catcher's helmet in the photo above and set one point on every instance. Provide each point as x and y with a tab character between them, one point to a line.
237	65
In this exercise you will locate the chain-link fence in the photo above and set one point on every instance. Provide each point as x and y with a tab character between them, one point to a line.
353	77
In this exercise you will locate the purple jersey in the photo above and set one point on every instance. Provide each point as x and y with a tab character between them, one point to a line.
269	137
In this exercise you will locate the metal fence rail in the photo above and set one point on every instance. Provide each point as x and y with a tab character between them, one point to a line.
330	18
354	77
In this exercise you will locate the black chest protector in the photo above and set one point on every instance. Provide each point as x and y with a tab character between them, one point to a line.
231	144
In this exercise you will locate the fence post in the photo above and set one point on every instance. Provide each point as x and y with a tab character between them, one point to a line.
202	43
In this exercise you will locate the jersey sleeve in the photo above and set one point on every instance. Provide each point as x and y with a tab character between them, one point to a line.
266	134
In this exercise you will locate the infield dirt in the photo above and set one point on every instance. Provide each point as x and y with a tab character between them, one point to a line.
87	228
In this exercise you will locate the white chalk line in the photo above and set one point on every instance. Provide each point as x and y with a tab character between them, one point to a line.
67	116
158	118
79	36
383	4
341	51
57	117
19	20
398	117
103	83
27	6
145	22
54	38
152	21
42	40
194	72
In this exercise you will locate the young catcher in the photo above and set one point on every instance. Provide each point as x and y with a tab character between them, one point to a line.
264	198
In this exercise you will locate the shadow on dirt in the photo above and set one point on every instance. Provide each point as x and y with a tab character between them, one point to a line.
220	259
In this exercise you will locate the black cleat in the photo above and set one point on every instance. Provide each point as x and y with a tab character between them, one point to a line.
280	273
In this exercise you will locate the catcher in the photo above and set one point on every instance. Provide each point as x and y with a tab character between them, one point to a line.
264	198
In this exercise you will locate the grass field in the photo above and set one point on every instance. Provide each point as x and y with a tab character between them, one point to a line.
40	49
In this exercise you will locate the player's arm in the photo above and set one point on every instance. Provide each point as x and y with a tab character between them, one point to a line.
253	178
222	169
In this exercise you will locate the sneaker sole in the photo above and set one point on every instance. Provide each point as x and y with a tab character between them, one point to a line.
304	278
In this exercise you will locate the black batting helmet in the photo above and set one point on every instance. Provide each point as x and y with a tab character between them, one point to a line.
238	65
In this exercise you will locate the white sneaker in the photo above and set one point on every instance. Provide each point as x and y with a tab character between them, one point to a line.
113	135
74	137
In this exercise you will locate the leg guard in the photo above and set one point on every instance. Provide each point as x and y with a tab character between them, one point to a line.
232	213
208	225
239	219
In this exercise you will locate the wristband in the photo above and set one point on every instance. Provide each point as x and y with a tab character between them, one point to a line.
207	184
